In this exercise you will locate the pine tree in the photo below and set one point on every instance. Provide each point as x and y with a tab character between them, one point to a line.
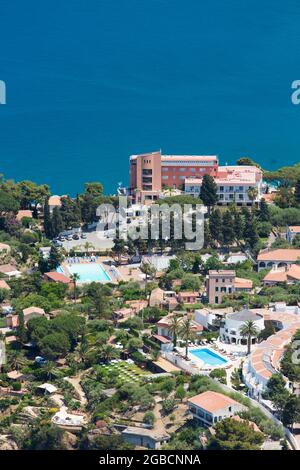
227	229
215	226
208	193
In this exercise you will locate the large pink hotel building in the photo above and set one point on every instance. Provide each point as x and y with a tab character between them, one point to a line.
150	172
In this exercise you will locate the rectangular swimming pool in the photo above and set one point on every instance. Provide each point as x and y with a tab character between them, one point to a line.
88	272
209	357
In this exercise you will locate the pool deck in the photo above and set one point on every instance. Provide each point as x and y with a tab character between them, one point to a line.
110	271
205	366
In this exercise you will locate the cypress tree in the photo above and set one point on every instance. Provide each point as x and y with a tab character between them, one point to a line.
227	228
208	193
264	214
47	220
297	192
215	226
57	223
238	225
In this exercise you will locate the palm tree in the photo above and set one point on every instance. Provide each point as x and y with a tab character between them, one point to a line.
107	352
88	246
49	367
252	193
249	330
174	328
119	248
149	272
186	333
75	278
15	359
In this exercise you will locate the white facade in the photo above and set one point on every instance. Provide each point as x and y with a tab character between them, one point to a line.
233	184
230	329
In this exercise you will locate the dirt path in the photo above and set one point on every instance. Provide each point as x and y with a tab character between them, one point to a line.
75	381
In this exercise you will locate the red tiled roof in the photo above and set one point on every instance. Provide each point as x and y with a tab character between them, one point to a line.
282	254
212	401
58	277
162	339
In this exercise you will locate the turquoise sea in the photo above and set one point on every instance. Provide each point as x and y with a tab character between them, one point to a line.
90	82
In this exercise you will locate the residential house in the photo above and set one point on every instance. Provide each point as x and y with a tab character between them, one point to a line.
218	284
278	258
142	437
54	201
54	276
15	375
164	335
33	312
211	319
243	285
210	407
9	270
23	213
289	274
188	297
291	232
12	320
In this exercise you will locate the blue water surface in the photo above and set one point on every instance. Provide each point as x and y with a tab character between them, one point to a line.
90	82
208	357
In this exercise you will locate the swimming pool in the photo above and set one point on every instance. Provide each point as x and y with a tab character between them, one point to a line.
209	357
89	272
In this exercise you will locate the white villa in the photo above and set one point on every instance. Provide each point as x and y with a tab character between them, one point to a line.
210	407
231	326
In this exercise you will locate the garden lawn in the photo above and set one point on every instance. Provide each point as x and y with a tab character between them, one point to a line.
127	372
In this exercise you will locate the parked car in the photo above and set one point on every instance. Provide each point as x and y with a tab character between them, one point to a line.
62	238
83	235
57	243
69	238
75	236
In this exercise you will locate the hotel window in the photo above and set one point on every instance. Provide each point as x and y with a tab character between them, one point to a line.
182	177
241	196
221	196
193	170
230	188
147	179
164	168
181	169
221	188
165	177
230	196
147	172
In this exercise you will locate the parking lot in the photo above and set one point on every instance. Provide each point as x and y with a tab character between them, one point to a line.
96	239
